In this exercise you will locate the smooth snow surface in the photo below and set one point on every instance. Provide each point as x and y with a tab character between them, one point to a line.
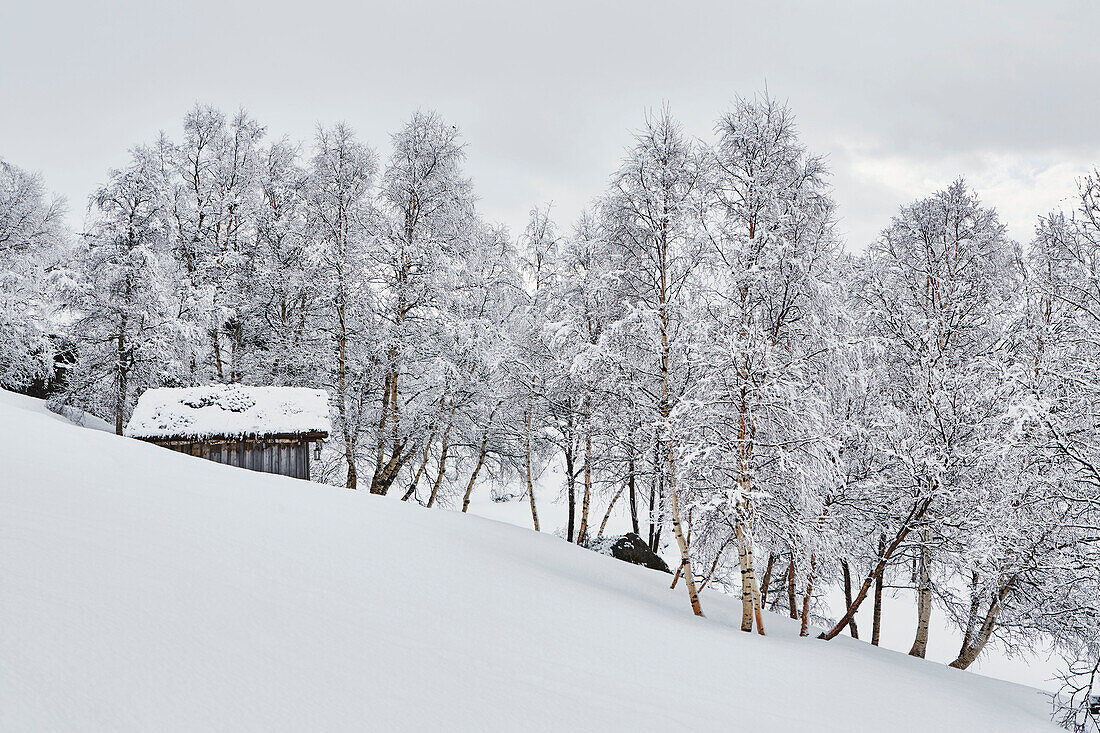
1036	668
64	413
142	589
228	411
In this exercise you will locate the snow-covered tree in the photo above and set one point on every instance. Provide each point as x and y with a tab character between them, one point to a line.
540	383
486	298
1077	702
939	289
32	243
426	221
1054	589
755	417
208	185
341	222
127	325
286	344
651	215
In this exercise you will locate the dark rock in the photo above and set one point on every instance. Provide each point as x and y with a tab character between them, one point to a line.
632	549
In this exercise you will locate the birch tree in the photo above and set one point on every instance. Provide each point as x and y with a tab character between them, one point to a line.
541	385
651	220
208	185
340	217
939	290
427	216
284	316
769	230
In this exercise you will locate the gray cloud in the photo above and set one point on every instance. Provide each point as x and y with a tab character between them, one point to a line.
897	96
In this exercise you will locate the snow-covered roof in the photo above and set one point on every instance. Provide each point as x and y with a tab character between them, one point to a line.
229	411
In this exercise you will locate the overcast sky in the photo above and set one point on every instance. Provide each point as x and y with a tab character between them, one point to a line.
900	97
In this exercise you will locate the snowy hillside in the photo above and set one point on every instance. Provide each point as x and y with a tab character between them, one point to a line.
142	589
1037	668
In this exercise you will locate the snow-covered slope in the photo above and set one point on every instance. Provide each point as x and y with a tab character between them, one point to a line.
141	589
66	414
1038	667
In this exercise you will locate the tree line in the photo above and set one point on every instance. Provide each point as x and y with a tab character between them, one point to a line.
697	351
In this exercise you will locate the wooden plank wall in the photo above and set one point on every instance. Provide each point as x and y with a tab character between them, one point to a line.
282	457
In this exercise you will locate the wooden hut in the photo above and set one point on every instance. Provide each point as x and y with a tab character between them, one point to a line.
268	429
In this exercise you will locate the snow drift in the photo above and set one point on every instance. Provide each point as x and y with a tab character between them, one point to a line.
141	589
